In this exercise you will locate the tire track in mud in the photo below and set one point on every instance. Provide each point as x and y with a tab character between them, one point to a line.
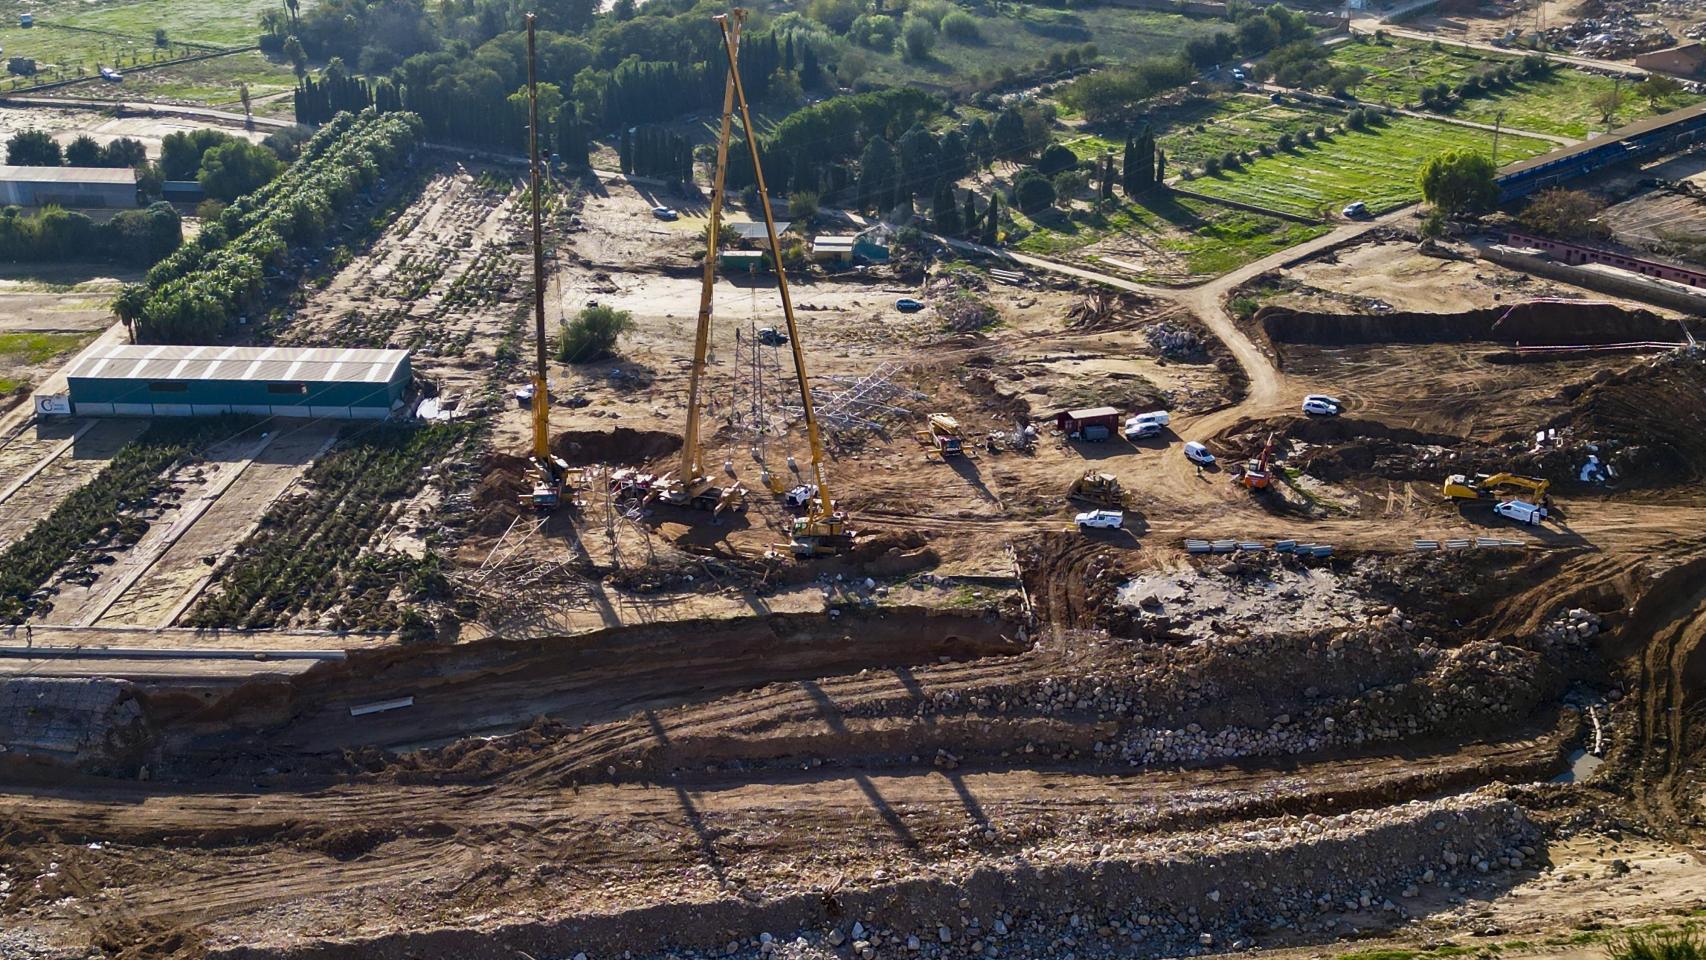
223	859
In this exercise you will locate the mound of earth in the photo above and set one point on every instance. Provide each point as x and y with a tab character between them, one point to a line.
1648	422
622	446
1534	323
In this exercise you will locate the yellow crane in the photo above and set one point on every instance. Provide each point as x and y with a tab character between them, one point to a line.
823	530
547	491
690	486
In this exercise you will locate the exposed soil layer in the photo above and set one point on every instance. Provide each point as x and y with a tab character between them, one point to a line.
1535	323
623	446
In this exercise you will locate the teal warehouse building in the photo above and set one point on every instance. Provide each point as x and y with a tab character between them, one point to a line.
109	380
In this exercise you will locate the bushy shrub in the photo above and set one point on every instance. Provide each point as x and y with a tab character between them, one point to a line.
592	334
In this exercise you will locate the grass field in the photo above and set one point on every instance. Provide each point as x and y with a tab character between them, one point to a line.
1561	104
1210	238
1027	34
34	348
1377	167
212	83
71	35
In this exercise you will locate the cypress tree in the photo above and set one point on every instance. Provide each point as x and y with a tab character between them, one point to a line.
1128	168
625	150
992	224
1160	165
943	211
1107	190
968	220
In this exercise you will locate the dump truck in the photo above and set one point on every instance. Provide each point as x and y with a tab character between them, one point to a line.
943	436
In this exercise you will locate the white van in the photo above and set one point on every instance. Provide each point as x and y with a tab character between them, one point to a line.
1521	511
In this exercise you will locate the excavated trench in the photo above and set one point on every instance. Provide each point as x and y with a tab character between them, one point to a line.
1534	323
498	686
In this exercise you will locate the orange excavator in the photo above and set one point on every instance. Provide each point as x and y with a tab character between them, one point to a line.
1258	473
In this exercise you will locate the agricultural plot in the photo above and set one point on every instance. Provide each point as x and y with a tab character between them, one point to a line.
308	558
1377	166
1236	124
1023	35
23	354
75	39
1399	71
214	82
1165	238
1562	103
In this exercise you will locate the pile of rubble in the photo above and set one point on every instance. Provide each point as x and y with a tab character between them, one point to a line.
1180	895
1176	342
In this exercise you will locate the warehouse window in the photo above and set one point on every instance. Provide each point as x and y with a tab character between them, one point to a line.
294	388
167	386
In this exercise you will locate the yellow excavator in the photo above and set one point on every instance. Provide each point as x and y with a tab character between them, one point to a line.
1484	486
550	472
823	531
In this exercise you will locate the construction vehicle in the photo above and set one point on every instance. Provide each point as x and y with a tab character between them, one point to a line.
823	530
1258	473
1102	489
944	436
550	472
1485	486
690	486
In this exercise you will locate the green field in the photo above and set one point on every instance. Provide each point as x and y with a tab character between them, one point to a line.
1210	128
1212	239
1025	34
1397	71
1377	167
72	38
34	348
212	83
1561	104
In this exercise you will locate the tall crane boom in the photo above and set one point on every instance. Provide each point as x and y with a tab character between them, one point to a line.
823	529
692	465
548	488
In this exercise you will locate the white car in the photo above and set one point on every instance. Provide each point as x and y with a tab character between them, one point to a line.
1522	511
1197	453
665	213
800	495
1356	211
1137	428
1100	520
1321	405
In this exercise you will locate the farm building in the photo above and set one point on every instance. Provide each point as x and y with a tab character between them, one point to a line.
868	247
754	234
128	380
68	187
1092	423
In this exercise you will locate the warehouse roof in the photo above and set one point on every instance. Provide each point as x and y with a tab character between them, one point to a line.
313	364
117	175
755	230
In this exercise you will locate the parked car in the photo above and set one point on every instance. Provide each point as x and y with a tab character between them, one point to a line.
1148	424
665	213
1238	75
1355	211
772	337
1321	405
1522	511
1197	453
908	305
1100	520
800	495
